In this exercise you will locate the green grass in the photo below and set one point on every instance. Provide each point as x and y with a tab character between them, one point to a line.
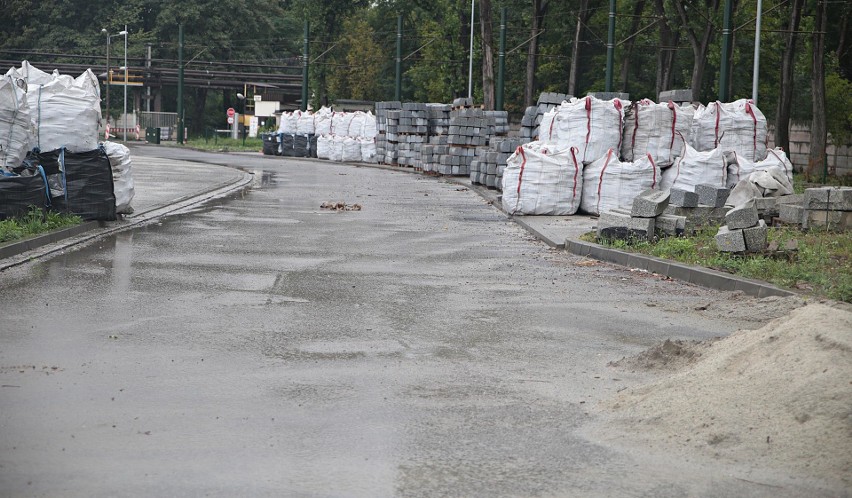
822	265
221	144
35	222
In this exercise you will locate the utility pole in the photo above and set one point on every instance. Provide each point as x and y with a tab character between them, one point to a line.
501	61
148	77
125	82
726	52
756	71
305	66
470	66
180	137
398	82
610	45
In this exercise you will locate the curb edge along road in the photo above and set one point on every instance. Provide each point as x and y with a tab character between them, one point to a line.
37	247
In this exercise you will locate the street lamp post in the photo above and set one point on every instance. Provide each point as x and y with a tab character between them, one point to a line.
103	30
125	81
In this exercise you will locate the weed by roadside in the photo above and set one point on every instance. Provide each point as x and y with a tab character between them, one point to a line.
35	222
221	144
821	265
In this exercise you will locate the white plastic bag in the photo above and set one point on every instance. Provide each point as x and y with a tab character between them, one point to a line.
15	124
122	177
610	184
591	125
541	180
696	168
651	128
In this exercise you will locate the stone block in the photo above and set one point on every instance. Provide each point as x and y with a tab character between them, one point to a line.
682	95
610	95
695	216
833	220
730	240
767	207
683	198
614	225
791	213
743	216
829	198
710	195
669	225
650	203
755	237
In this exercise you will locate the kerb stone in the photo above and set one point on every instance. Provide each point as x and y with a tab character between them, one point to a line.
791	213
683	198
710	195
730	240
613	225
669	225
834	220
755	237
650	203
743	216
828	198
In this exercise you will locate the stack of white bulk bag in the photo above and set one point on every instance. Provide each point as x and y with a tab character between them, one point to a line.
351	150
651	128
322	121
696	168
611	184
122	177
305	124
368	149
15	124
736	126
539	179
325	144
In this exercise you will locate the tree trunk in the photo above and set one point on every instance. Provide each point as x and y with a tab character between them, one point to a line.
464	36
667	50
699	45
785	96
626	56
198	111
487	54
819	135
538	9
573	72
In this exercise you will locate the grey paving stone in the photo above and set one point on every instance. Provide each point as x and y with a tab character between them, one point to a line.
650	203
742	216
710	195
614	225
683	198
730	240
755	237
669	225
766	206
829	198
791	213
835	220
681	95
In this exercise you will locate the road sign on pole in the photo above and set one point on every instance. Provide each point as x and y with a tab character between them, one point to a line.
231	112
230	120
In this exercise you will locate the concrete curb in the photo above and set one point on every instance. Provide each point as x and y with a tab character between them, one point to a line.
26	250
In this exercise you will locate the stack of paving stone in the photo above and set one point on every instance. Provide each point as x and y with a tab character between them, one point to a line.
439	119
704	206
413	133
468	131
645	220
533	114
743	230
487	168
439	127
391	143
829	207
501	122
382	109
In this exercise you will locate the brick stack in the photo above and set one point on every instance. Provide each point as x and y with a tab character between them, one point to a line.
704	206
533	114
487	168
825	207
382	109
645	220
743	230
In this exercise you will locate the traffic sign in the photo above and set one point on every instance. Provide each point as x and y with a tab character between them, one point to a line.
231	112
230	120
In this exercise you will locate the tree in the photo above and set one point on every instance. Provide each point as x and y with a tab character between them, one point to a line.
539	8
487	29
698	26
666	51
627	55
785	96
819	135
582	18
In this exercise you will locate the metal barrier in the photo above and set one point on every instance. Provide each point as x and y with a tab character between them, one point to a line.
164	120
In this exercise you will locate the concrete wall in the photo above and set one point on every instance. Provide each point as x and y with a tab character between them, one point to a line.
839	158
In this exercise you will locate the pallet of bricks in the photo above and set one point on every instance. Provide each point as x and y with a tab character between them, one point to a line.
468	130
412	133
438	145
385	151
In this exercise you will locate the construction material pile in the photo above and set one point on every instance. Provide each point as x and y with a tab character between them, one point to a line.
49	155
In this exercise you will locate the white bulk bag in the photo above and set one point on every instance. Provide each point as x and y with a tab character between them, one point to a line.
696	168
65	111
591	125
324	146
546	131
736	126
538	179
610	184
739	167
337	148
351	150
322	121
305	124
122	178
368	150
370	129
285	126
651	128
15	124
356	124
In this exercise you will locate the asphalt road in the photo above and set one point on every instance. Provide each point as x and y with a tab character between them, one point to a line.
262	346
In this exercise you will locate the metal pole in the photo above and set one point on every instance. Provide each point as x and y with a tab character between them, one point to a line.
470	66
397	94
148	86
501	60
726	51
756	72
107	82
610	45
125	82
180	137
305	62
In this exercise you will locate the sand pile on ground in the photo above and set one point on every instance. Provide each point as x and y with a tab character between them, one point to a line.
779	396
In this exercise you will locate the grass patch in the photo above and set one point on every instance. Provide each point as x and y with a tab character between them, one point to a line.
822	265
222	144
35	222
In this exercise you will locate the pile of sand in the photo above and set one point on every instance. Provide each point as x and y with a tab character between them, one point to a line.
779	396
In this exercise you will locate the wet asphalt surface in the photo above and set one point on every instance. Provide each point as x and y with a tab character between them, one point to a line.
262	346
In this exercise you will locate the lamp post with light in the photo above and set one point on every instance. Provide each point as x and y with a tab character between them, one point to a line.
125	81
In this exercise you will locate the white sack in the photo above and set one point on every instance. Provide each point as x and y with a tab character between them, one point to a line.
770	181
322	121
337	148
370	129
740	167
651	128
696	168
591	125
122	177
324	146
15	124
65	111
305	124
610	184
368	150
540	180
351	150
736	126
356	124
546	131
